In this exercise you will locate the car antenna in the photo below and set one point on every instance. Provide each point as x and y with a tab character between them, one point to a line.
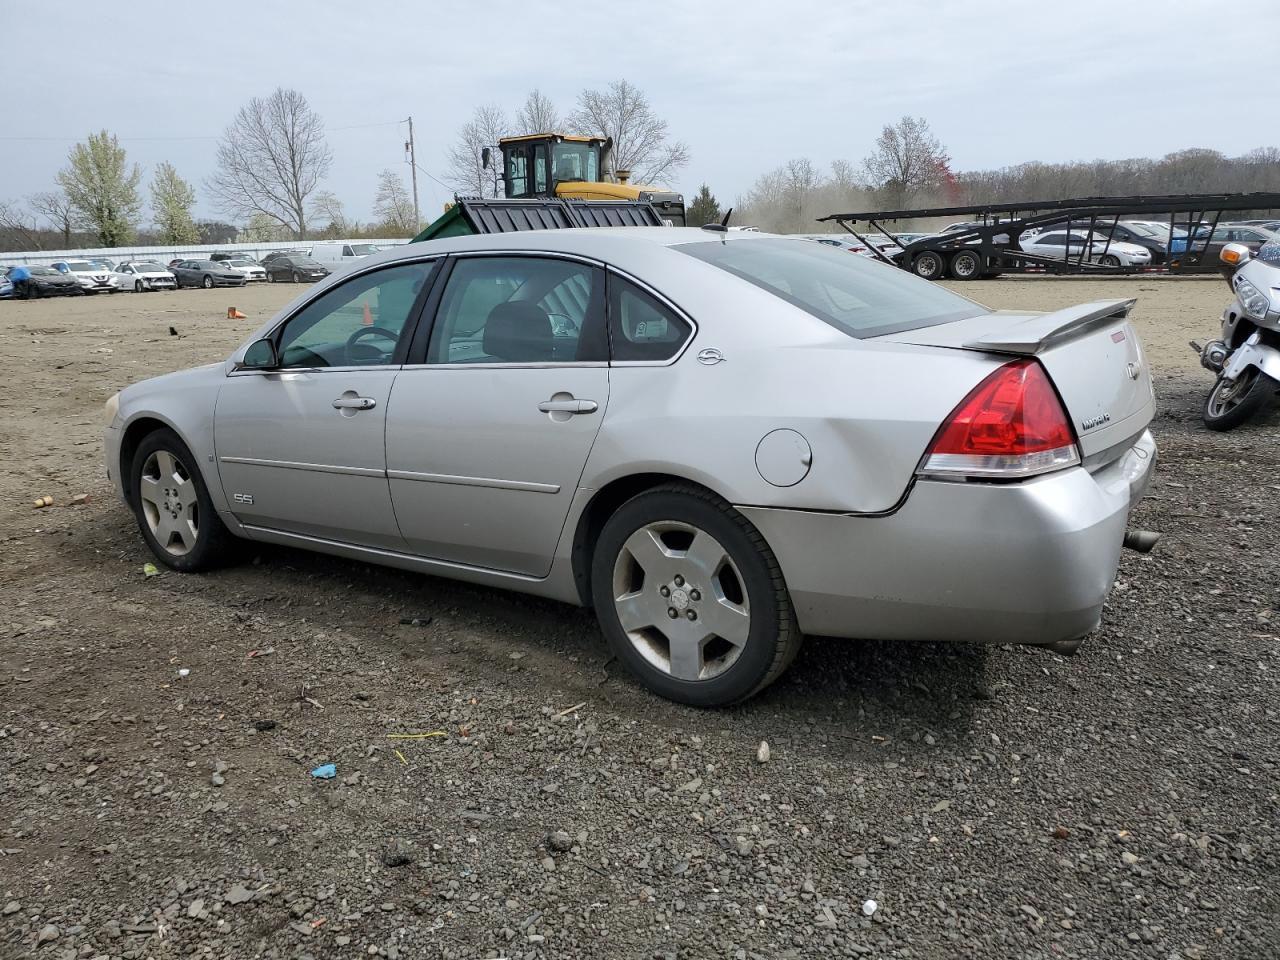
722	226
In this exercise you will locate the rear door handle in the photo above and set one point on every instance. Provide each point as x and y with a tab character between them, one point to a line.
355	403
568	406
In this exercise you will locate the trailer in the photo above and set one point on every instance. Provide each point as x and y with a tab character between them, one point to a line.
988	241
472	215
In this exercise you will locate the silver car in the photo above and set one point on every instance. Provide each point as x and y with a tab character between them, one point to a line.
720	441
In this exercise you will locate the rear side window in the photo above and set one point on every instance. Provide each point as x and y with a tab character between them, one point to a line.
641	327
856	295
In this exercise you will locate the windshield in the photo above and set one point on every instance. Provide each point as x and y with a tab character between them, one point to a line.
41	271
242	263
79	265
575	161
363	249
306	262
1269	252
146	266
856	295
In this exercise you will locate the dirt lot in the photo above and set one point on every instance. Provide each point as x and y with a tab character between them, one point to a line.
996	803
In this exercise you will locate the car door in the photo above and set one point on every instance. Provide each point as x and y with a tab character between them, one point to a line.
300	446
491	422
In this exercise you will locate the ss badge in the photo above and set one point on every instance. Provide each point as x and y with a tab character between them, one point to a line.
245	498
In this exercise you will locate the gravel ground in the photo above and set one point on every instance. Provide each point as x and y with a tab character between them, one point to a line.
156	735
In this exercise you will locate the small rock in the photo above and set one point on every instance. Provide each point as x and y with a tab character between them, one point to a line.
262	726
860	862
48	933
217	779
1061	833
560	840
744	846
238	894
396	854
869	907
940	806
548	864
1129	858
342	940
763	754
195	909
13	906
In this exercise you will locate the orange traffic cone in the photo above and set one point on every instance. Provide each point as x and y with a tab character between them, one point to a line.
368	317
234	314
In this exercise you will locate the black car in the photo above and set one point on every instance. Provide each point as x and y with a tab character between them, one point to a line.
205	273
46	282
1141	234
294	267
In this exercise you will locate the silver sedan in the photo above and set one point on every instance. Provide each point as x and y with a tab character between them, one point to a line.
720	441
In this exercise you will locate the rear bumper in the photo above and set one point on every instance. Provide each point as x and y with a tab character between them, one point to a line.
1028	562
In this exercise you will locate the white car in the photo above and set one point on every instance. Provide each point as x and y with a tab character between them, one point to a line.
92	278
252	269
141	275
1070	246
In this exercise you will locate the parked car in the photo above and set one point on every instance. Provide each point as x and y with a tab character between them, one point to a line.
92	278
335	254
531	411
1061	245
1141	234
142	275
294	268
31	283
6	285
207	274
252	270
852	244
281	253
1224	233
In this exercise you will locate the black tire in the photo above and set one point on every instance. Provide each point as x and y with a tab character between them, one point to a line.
1109	260
1249	398
207	283
271	277
928	265
215	545
33	292
966	265
297	277
773	636
137	286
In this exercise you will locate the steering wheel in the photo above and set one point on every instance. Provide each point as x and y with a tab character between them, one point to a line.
374	354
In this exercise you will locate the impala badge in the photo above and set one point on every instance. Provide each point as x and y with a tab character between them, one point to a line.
1097	421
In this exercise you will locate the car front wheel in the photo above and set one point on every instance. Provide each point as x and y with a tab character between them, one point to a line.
176	516
691	598
208	282
271	278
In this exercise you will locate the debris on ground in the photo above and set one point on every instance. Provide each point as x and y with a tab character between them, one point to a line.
326	771
41	502
150	570
763	753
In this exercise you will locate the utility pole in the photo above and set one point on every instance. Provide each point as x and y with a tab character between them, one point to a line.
413	168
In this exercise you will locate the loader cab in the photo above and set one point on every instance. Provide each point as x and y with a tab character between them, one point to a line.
535	165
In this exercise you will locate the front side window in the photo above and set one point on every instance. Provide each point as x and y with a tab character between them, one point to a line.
855	295
517	173
575	161
358	323
520	310
641	327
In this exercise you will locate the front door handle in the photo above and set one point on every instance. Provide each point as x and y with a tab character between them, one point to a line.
355	403
568	406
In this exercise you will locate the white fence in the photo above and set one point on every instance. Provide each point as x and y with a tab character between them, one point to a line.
165	254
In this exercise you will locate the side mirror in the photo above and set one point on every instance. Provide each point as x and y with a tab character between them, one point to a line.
486	157
1234	254
261	355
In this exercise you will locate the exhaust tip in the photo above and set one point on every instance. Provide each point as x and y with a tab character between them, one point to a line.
1143	541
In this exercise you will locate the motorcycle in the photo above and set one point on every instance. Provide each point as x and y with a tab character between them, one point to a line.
1246	359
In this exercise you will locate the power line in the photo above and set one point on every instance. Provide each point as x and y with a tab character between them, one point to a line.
355	126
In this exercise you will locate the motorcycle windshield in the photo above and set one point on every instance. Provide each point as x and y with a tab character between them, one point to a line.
1269	253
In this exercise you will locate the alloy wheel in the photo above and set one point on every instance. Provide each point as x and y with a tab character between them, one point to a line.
681	600
169	502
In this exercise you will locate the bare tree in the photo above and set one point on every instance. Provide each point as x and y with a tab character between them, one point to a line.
466	170
271	159
538	115
18	228
907	159
328	209
56	207
640	141
393	206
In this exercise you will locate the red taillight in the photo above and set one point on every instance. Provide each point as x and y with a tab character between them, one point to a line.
1012	424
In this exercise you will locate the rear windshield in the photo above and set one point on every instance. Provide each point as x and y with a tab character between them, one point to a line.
856	295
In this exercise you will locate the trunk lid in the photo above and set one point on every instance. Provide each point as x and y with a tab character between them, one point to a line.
1092	354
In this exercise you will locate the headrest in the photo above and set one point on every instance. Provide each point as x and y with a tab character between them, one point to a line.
519	332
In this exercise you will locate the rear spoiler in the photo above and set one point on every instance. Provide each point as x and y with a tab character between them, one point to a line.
1039	333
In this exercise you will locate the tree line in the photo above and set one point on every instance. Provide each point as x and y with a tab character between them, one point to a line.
271	161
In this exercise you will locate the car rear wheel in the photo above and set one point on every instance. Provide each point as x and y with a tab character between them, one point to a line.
966	265
176	516
208	282
691	598
928	265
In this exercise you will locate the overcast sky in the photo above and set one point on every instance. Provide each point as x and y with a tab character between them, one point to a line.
746	84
